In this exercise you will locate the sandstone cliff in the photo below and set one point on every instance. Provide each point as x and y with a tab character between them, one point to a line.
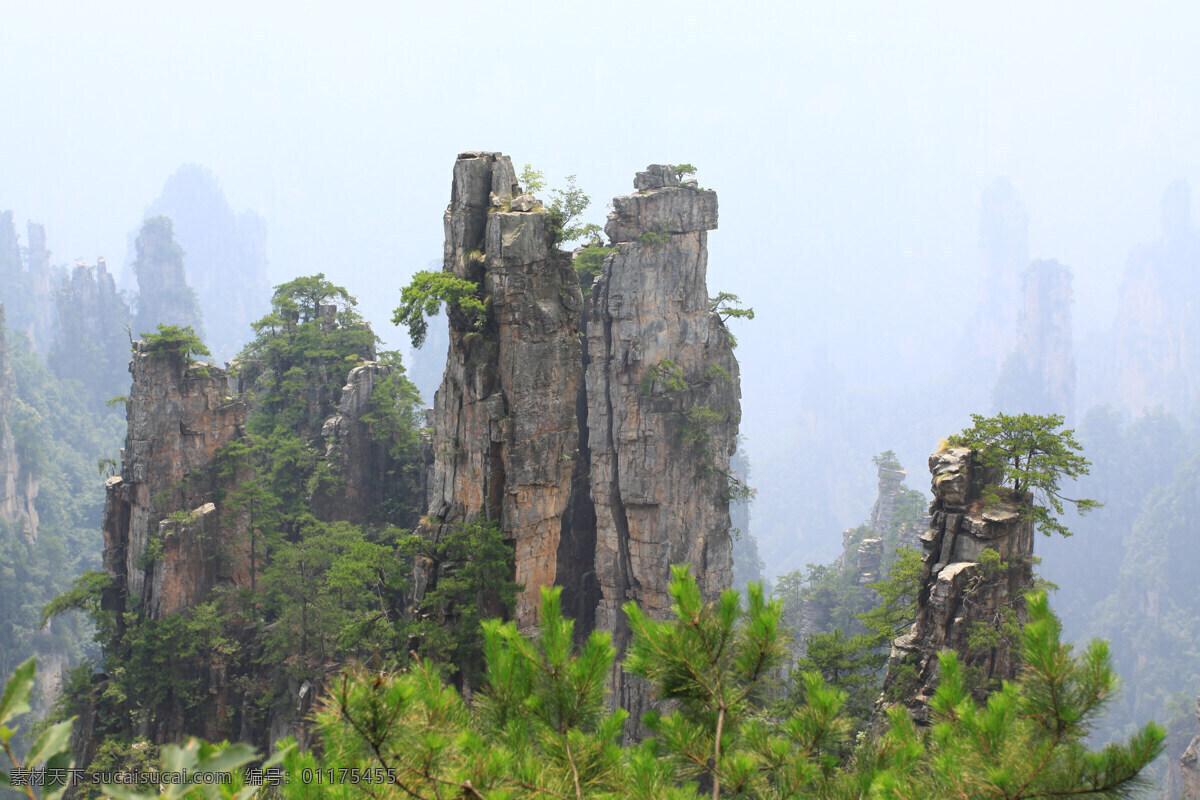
1004	255
18	484
226	255
164	296
360	460
599	439
1039	376
1188	782
506	437
965	592
27	282
176	532
91	344
162	541
1156	360
43	279
663	406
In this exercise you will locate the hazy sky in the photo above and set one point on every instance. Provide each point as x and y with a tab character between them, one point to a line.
849	142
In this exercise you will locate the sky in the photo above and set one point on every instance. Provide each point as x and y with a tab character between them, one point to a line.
849	143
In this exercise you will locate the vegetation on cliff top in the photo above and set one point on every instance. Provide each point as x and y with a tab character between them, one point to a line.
1034	456
539	724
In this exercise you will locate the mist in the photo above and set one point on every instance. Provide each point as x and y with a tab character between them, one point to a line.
854	148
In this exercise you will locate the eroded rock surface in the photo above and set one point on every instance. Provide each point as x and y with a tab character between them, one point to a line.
1039	376
963	590
359	459
663	406
18	484
1189	768
505	427
179	416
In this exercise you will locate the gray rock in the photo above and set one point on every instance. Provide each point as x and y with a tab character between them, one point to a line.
959	594
669	210
525	202
658	500
656	176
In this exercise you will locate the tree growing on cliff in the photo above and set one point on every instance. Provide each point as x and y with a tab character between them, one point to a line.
424	295
172	340
1034	454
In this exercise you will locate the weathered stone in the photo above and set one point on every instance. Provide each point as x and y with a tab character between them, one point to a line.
658	480
164	296
1187	781
505	431
179	415
354	455
959	592
656	176
870	558
1154	362
663	209
525	202
1039	375
19	485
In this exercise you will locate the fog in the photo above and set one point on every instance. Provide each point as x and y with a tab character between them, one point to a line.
849	145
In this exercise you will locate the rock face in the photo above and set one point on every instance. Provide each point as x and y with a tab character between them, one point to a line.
172	533
603	464
43	280
164	295
90	344
360	460
1039	376
663	406
1004	255
506	434
1157	329
226	255
888	520
27	282
962	590
18	484
163	539
1189	769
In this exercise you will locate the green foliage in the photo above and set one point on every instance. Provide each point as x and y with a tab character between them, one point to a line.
171	341
297	353
896	609
886	460
1029	740
84	595
59	438
698	422
333	593
590	263
717	374
854	629
727	306
684	169
471	567
51	750
424	295
850	664
1034	456
565	208
664	377
532	180
539	727
713	660
655	238
200	762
